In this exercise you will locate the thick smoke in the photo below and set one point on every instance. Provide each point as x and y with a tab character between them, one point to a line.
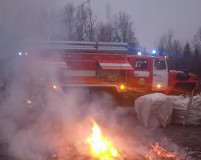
54	118
58	118
35	130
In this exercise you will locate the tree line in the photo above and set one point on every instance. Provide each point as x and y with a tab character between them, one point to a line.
182	57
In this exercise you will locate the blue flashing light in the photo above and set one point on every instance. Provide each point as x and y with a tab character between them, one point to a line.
20	53
154	51
139	53
26	54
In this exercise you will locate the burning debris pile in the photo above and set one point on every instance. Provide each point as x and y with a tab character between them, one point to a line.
157	152
101	147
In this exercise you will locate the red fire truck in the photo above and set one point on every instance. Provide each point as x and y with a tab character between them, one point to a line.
109	67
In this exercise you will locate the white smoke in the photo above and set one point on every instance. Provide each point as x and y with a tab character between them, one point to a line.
59	118
55	118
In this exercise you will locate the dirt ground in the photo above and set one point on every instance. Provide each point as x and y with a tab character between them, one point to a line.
186	137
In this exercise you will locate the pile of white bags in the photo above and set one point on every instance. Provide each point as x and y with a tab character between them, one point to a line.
158	109
154	109
187	116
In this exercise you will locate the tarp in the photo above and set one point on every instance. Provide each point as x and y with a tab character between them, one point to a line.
115	64
154	110
187	113
157	109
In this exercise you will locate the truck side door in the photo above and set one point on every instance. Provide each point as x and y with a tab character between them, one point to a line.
140	80
160	75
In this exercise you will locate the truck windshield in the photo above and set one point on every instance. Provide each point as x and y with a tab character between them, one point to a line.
159	64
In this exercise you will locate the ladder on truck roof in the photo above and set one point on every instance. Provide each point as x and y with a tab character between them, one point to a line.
80	46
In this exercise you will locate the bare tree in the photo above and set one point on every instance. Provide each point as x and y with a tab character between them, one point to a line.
80	22
116	30
123	29
69	20
104	32
167	45
89	26
85	23
197	40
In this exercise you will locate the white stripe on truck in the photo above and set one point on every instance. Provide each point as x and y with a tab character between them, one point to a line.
78	73
141	74
116	64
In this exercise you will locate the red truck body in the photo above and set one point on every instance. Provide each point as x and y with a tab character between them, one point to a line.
86	65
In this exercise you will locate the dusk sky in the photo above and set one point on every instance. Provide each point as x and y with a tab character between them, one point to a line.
151	18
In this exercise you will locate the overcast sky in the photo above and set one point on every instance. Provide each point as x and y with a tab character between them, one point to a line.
151	18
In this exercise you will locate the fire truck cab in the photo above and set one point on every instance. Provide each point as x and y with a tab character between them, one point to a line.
149	74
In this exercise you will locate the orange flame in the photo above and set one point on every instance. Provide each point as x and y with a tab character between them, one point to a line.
54	87
29	101
101	147
161	152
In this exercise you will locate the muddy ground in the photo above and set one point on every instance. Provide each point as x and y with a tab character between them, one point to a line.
187	137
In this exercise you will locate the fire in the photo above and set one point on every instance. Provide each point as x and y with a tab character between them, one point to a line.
161	152
29	101
101	147
54	87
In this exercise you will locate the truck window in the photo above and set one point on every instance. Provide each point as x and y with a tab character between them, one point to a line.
159	64
141	64
111	75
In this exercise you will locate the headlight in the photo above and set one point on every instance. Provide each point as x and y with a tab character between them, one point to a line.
158	86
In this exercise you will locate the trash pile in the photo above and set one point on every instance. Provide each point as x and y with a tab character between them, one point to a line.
158	109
